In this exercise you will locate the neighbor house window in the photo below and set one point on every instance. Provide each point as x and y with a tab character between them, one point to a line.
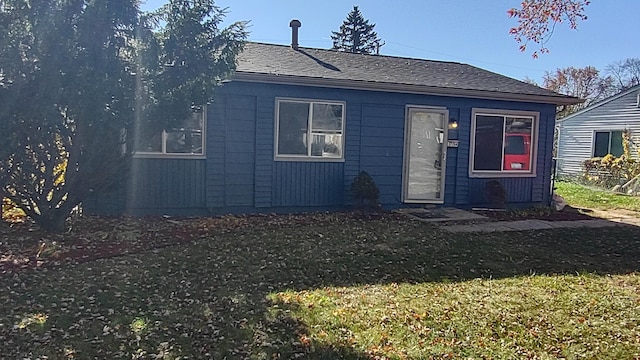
309	129
185	139
503	143
607	142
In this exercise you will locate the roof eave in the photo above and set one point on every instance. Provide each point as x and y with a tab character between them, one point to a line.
602	102
401	88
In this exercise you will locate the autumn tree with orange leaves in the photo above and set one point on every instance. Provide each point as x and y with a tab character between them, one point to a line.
537	20
585	83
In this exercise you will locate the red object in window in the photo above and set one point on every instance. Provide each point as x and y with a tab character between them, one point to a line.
517	151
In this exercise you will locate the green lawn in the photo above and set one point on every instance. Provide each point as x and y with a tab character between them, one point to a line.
333	286
580	196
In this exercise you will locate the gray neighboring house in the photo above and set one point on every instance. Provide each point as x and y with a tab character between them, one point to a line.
597	131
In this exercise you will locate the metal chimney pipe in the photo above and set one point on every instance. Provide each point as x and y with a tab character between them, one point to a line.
294	24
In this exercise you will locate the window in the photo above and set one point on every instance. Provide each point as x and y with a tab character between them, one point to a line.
607	142
185	140
502	143
308	129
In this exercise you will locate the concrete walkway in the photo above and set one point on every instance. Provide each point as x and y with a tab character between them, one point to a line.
619	216
522	225
461	221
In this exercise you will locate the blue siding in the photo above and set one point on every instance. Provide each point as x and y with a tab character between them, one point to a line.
313	184
265	132
240	173
166	186
240	151
461	195
542	185
155	186
231	152
352	148
216	138
382	148
518	190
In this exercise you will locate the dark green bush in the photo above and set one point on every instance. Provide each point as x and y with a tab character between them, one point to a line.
364	189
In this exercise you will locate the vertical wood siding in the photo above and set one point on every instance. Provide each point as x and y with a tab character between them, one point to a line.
166	186
452	160
519	190
352	148
575	143
240	171
300	184
541	186
265	132
231	160
216	139
382	148
239	167
462	183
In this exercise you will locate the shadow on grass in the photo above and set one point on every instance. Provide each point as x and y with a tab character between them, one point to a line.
404	251
353	253
210	299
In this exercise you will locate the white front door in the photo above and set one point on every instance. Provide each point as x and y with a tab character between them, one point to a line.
425	149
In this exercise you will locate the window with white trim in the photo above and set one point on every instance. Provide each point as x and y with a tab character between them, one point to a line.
309	129
186	139
607	142
503	143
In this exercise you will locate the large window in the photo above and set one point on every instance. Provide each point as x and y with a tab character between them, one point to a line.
607	142
186	139
503	143
309	129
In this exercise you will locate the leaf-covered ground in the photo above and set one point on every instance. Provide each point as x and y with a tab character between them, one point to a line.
340	285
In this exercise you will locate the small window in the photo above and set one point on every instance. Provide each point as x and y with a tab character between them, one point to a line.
309	130
187	139
502	143
607	142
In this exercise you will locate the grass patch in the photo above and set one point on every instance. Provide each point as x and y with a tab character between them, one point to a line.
524	317
581	196
333	286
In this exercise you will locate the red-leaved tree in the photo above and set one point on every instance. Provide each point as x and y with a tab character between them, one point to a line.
537	20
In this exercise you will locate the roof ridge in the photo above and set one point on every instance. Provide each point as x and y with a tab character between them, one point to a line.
331	68
358	54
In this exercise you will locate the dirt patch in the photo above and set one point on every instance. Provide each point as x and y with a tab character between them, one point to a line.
23	245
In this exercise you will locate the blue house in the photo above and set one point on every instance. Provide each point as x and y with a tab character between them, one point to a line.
294	126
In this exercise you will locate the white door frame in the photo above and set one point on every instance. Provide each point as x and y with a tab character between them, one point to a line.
409	110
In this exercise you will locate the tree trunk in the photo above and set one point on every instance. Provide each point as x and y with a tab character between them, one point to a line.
53	220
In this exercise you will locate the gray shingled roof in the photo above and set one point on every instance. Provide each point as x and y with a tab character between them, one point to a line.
329	68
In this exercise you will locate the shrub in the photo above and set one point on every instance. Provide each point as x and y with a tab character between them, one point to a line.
496	194
364	189
609	171
11	212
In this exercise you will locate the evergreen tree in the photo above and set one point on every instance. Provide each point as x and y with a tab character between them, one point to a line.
356	35
79	77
